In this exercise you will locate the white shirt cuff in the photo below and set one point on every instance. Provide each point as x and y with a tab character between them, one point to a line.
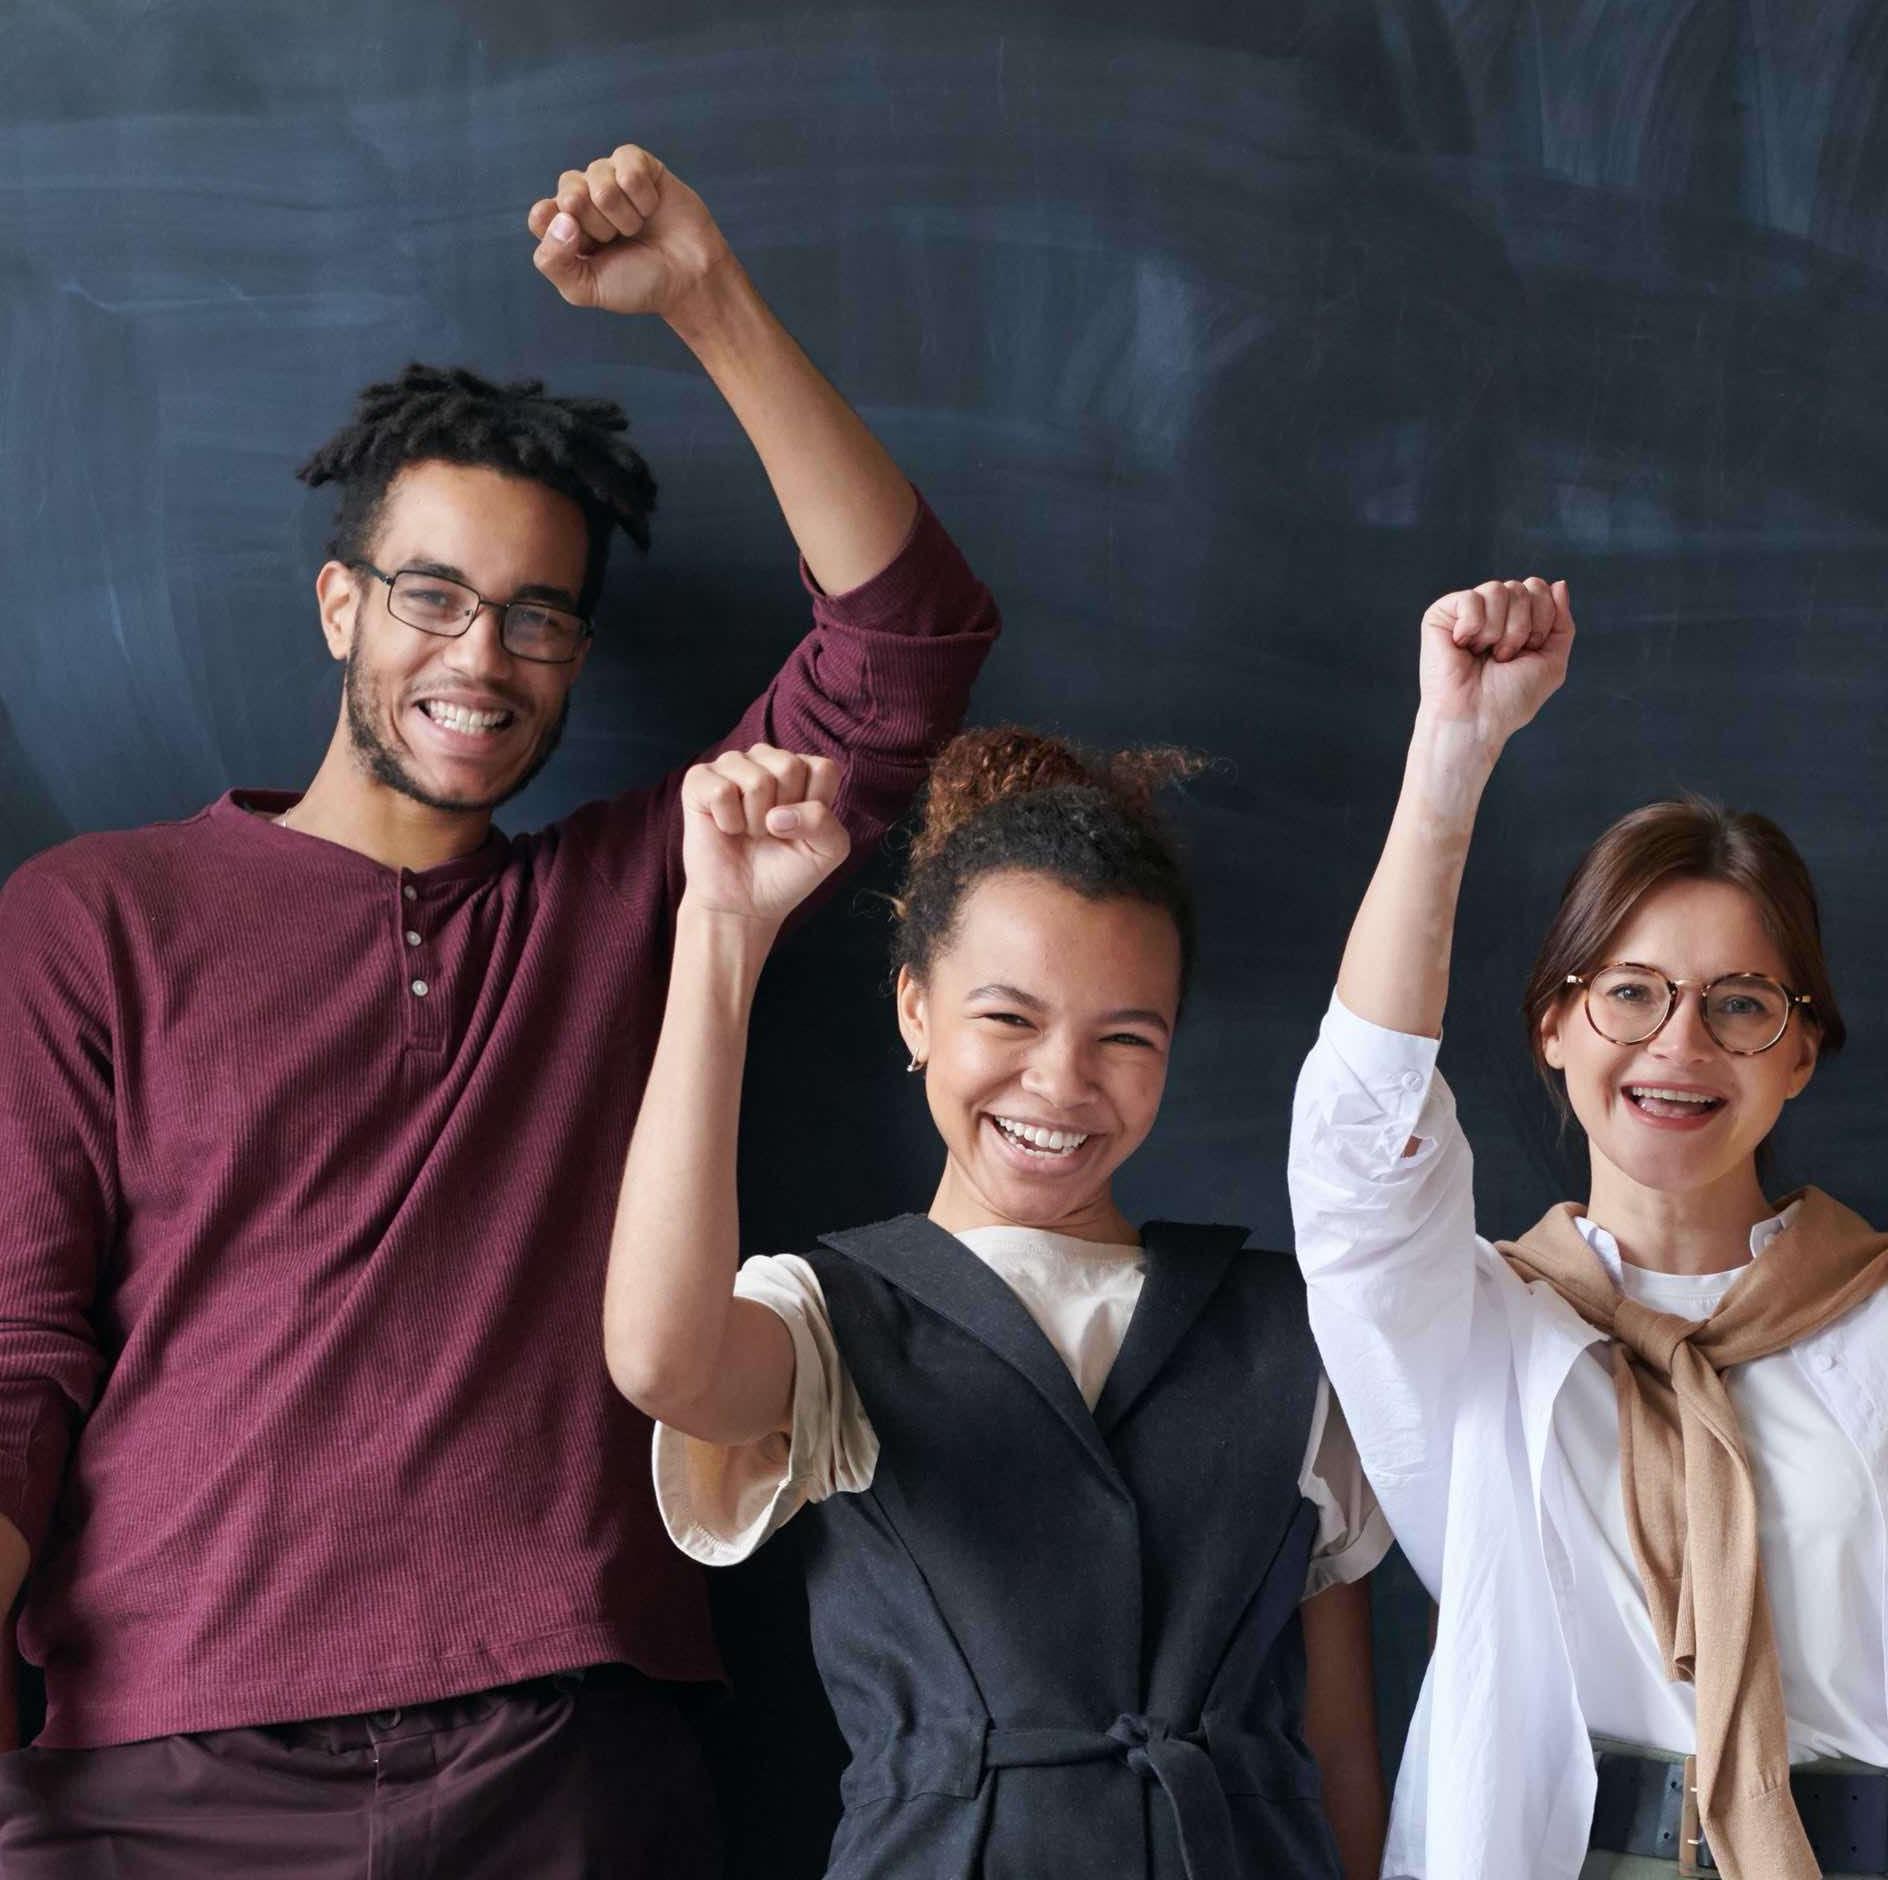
1378	1082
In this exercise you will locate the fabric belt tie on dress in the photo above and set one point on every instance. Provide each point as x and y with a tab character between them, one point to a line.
1155	1752
1195	1769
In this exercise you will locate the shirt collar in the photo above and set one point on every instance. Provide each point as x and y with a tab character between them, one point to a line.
250	815
1607	1248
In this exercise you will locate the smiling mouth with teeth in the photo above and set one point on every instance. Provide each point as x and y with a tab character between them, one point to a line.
1659	1100
1034	1140
463	718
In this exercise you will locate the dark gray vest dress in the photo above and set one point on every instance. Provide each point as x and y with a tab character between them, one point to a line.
1064	1645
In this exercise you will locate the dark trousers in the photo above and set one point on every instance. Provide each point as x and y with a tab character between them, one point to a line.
593	1775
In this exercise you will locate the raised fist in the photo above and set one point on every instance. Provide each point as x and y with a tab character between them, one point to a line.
1493	655
758	832
626	235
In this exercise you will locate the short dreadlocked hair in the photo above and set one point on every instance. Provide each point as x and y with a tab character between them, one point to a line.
446	414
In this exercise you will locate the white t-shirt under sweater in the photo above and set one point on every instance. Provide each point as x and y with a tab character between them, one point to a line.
1818	1534
720	1501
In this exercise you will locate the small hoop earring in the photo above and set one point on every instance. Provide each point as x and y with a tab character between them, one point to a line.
915	1066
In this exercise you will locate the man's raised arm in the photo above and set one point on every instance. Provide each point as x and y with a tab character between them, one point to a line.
627	235
900	623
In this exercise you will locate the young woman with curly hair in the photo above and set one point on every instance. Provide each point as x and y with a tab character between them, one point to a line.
1069	1483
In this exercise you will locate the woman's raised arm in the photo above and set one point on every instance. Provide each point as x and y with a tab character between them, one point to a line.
1381	1177
758	837
1491	657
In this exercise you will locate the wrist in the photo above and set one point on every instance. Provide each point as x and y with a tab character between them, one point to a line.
1464	745
715	307
724	943
1449	765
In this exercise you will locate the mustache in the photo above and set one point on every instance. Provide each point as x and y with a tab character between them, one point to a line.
513	701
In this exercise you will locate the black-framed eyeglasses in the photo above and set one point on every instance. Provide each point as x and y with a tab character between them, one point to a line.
553	636
1746	1013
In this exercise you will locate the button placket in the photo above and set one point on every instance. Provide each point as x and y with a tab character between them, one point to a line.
419	994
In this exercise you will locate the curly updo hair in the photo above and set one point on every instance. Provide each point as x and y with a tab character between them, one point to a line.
447	414
1009	800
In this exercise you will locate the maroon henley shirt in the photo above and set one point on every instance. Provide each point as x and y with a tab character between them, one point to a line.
307	1169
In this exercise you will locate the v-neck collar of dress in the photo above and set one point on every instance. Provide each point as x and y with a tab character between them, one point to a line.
1185	1265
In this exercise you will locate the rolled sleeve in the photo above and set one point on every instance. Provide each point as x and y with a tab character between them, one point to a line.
926	590
1368	1092
1353	1535
878	684
1382	1192
721	1501
884	677
1378	1166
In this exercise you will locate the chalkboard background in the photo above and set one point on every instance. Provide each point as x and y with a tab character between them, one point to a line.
1222	335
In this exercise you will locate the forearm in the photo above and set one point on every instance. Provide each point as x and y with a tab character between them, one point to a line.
14	1560
1395	970
1357	1807
1341	1725
668	1299
847	503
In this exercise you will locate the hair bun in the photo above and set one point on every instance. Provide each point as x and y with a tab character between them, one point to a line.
977	769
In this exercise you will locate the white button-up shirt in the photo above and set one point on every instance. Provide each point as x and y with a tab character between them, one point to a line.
1455	1378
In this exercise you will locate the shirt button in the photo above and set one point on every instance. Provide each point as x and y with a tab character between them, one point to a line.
1411	1080
419	988
412	938
410	892
1825	1360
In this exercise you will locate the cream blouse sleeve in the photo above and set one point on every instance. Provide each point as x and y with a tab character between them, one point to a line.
1352	1532
719	1501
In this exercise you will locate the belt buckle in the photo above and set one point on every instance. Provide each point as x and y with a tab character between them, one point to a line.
1694	1855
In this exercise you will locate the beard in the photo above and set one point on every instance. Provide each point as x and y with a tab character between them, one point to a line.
383	763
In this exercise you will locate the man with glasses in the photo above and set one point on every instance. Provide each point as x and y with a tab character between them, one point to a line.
343	1555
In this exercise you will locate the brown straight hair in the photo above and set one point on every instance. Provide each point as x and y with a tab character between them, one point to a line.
1692	839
